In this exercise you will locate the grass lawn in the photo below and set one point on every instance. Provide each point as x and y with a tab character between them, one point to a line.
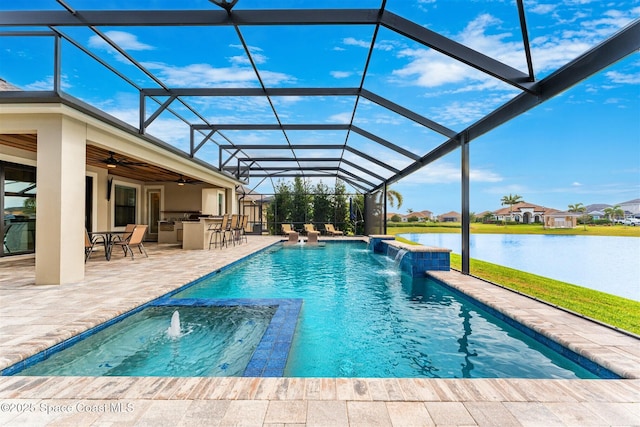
616	311
479	228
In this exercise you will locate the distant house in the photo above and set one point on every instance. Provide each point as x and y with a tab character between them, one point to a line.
526	213
561	219
450	217
630	208
422	216
597	214
596	211
482	215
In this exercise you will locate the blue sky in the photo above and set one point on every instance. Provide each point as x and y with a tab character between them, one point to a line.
581	147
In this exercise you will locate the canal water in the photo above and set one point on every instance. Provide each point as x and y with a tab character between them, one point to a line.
604	263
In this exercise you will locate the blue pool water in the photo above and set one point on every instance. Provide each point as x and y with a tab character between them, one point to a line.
362	317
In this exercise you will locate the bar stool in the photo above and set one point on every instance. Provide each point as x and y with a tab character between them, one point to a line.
218	232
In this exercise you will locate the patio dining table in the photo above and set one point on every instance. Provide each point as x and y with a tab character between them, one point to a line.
108	238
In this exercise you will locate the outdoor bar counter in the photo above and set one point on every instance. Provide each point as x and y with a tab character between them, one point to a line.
196	234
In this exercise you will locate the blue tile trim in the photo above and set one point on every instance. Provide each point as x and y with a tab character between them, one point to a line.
269	359
586	363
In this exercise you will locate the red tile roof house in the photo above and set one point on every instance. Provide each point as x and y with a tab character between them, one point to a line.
422	216
526	213
450	217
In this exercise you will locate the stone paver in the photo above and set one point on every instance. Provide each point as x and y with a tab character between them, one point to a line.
33	318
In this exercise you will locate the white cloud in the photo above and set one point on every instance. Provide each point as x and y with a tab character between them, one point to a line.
47	83
341	74
242	59
542	9
384	45
205	75
576	184
428	68
340	118
618	77
350	41
125	40
442	172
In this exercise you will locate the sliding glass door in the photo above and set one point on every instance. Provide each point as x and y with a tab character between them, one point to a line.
18	205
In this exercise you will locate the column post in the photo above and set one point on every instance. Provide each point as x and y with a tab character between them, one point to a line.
61	167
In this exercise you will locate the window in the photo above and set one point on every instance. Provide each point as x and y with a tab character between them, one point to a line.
124	205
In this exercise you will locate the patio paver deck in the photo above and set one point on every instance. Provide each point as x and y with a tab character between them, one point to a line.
33	318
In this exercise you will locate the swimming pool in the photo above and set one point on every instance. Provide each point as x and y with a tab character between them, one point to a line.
355	315
363	317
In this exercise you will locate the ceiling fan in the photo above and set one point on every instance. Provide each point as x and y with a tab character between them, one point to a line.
183	181
112	162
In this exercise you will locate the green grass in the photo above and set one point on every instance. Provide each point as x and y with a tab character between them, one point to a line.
616	311
479	228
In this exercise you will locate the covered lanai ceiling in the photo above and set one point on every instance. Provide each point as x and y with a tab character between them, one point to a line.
323	101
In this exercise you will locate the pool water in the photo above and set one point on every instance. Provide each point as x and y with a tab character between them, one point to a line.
362	317
213	341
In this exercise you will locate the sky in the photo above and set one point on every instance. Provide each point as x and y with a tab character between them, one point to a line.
581	147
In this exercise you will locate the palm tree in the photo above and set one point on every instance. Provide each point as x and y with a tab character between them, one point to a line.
511	200
393	196
614	212
579	208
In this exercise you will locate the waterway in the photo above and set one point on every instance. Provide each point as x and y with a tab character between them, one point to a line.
604	263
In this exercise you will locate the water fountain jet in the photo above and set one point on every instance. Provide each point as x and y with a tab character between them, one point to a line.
174	330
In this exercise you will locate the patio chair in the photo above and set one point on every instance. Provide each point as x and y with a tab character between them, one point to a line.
287	229
89	244
135	239
127	232
310	228
331	231
218	232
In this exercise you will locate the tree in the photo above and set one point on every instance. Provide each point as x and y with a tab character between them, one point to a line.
340	205
29	206
394	197
487	217
322	204
511	200
413	218
614	212
279	210
581	209
302	201
395	218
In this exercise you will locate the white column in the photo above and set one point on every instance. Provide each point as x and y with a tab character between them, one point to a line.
60	182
